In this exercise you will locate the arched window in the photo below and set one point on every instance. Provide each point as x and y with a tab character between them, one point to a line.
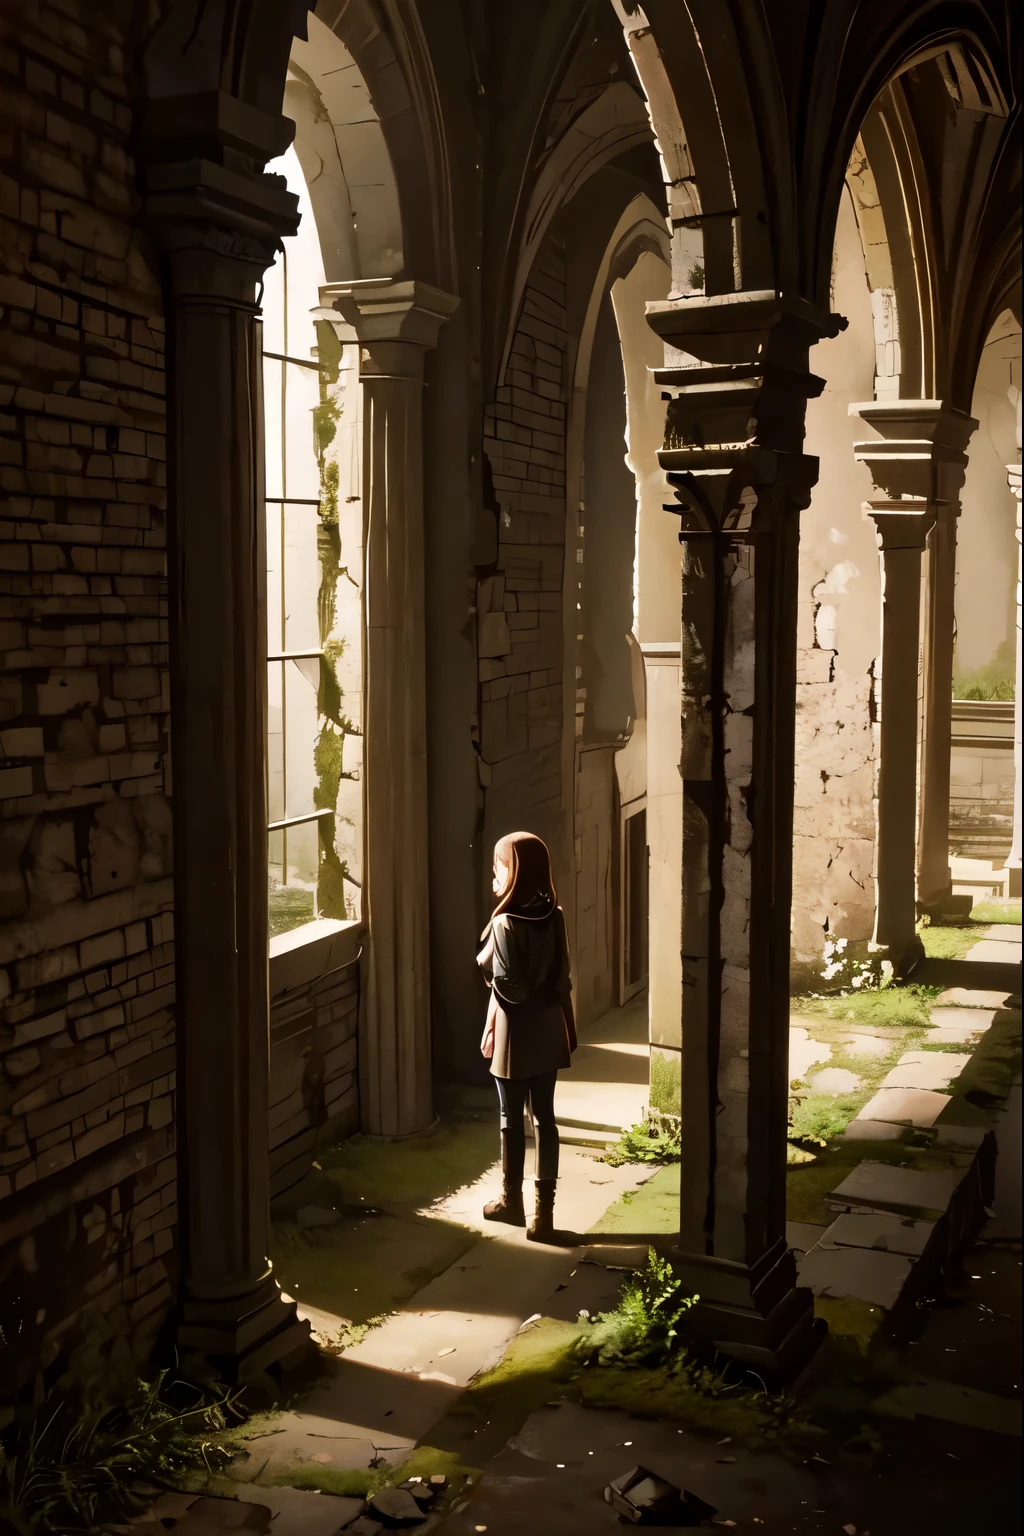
314	589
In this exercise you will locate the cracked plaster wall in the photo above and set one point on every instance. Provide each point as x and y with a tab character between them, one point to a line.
838	640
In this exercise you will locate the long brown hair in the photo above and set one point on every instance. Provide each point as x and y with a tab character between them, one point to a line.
529	890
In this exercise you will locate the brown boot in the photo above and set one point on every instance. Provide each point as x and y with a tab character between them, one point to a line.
509	1208
542	1228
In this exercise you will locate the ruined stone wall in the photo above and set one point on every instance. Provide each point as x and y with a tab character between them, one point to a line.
519	606
87	1194
314	1094
839	639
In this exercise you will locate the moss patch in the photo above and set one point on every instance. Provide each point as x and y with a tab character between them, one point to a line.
996	912
948	943
849	1318
903	1007
653	1207
413	1175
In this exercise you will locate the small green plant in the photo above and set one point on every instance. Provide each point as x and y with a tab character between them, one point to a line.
643	1330
657	1139
350	1334
78	1461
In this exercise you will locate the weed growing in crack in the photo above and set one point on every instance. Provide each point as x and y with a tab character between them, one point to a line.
79	1460
657	1139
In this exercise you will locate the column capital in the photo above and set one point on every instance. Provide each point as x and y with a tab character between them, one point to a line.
209	205
391	309
920	449
901	524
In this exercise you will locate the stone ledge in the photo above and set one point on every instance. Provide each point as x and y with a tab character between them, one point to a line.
306	954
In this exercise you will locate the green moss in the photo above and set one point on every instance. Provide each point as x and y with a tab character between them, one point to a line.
412	1175
652	1208
665	1090
898	1007
821	1117
948	943
849	1318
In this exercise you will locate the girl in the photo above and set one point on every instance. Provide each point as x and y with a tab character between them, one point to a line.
530	1030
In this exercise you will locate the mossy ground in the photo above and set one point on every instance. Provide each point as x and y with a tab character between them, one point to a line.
364	1266
652	1208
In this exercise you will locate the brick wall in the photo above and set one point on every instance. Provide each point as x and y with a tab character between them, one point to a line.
519	607
314	1093
86	961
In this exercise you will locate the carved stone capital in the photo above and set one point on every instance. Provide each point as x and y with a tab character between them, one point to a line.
919	450
902	524
394	320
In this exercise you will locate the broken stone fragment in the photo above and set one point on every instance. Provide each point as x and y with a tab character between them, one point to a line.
396	1506
421	1491
644	1498
362	1525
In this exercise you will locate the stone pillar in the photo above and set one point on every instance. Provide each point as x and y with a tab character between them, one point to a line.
902	528
733	453
396	322
1013	858
218	231
920	453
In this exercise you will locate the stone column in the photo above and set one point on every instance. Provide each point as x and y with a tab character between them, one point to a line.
902	528
920	452
218	231
734	437
396	322
1013	858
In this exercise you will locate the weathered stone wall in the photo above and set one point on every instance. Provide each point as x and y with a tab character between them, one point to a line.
839	638
519	607
314	1092
86	946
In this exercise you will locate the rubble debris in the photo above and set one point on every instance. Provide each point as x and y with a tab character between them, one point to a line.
643	1498
396	1506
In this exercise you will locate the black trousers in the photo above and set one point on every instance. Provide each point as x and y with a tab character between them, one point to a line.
512	1094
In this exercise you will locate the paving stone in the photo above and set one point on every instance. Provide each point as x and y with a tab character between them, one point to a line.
995	951
863	1273
967	997
834	1080
872	1130
859	1043
804	1052
905	1106
972	1021
801	1235
925	1069
1004	933
879	1230
298	1512
881	1186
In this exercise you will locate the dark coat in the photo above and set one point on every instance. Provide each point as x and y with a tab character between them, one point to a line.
531	995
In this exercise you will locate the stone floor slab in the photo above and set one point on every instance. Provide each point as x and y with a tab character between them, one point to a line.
859	1043
974	1020
879	1230
925	1069
872	1130
861	1273
804	1052
834	1080
905	1106
801	1235
969	997
995	951
297	1512
882	1186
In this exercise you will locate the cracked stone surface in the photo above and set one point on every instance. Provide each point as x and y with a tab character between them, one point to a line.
881	1186
925	1069
865	1274
905	1106
859	1043
878	1230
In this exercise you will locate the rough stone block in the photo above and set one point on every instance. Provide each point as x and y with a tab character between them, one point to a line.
905	1106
